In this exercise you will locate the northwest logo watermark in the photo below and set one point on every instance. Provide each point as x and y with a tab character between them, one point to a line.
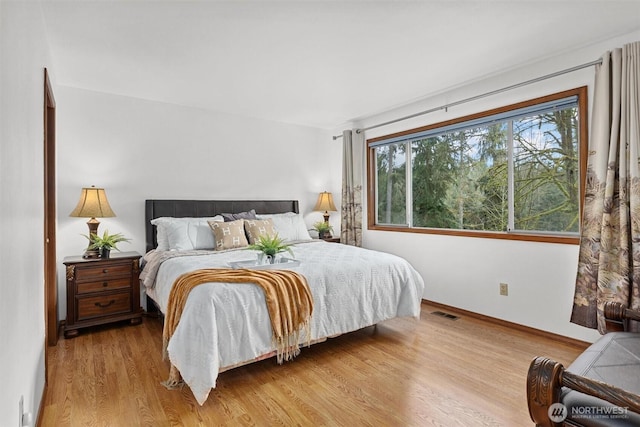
559	412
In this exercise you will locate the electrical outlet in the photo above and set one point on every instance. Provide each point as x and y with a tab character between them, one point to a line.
504	289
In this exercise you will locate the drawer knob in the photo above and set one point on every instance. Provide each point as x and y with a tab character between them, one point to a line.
105	284
106	270
105	305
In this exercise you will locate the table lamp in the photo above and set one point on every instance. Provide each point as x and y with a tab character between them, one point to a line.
93	204
325	203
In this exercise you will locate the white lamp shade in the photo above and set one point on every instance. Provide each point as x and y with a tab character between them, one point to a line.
325	202
93	203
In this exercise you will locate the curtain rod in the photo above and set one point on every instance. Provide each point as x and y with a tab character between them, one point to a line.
484	95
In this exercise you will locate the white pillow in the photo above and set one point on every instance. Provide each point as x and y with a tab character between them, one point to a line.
183	234
290	226
161	235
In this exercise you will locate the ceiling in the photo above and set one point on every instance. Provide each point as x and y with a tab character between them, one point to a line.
314	63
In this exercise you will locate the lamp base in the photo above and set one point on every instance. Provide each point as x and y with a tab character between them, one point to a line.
325	234
93	230
91	254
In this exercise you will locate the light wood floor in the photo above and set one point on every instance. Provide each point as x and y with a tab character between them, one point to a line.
404	372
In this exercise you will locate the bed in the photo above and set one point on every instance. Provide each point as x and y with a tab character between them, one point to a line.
225	325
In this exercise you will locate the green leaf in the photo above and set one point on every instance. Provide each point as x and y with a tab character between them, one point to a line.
107	241
271	245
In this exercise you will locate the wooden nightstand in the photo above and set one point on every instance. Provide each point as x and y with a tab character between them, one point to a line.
102	291
332	240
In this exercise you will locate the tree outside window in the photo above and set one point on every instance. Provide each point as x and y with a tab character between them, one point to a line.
514	170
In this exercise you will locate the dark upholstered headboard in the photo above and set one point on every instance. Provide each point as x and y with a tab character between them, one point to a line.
204	208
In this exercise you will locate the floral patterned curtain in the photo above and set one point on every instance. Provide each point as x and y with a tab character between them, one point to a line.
351	215
609	260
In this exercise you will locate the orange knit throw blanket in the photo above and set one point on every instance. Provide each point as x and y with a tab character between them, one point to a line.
288	298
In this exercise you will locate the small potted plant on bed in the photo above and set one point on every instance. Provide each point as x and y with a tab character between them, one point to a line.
105	243
269	246
323	228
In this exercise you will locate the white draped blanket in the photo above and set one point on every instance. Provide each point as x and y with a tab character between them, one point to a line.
227	324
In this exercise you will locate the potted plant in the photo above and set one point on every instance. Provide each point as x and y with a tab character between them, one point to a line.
269	246
324	229
105	243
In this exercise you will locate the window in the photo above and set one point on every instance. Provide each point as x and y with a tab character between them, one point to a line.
513	172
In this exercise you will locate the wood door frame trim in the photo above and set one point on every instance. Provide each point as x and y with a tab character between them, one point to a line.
50	275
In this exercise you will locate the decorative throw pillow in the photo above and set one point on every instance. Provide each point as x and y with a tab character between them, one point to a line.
240	215
259	227
290	226
228	235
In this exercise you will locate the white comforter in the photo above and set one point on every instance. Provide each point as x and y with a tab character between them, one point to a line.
226	324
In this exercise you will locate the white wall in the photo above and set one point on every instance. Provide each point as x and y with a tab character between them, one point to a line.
139	150
23	55
465	272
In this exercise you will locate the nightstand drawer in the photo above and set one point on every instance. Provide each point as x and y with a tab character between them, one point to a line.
99	272
102	305
104	285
